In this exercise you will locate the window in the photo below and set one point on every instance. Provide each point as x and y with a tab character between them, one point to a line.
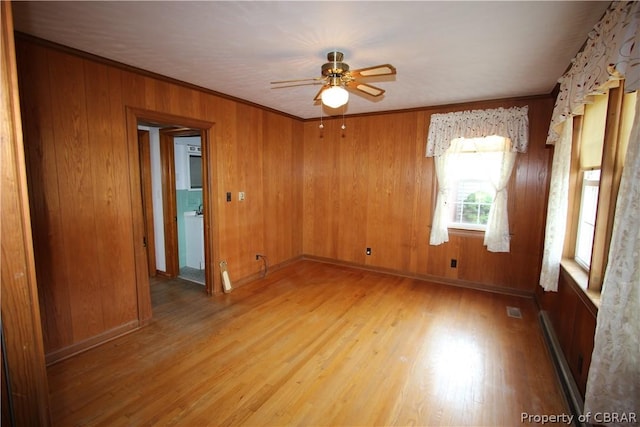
469	174
587	217
599	147
473	172
195	172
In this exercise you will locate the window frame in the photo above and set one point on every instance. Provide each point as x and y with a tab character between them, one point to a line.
613	155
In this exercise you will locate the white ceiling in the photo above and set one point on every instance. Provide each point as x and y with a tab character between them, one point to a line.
445	52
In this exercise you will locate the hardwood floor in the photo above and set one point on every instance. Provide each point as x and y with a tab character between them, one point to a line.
315	344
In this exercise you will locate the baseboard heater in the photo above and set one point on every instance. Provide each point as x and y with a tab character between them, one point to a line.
569	386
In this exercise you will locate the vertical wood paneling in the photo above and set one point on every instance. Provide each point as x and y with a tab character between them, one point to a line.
42	171
354	170
113	229
579	355
371	186
76	180
298	187
320	184
390	191
532	172
249	224
226	115
439	257
424	194
573	316
83	169
133	89
328	193
278	186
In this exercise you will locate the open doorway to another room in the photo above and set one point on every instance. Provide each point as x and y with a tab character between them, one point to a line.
189	207
172	187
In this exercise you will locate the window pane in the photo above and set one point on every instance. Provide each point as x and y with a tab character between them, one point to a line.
472	193
595	118
587	218
472	202
583	249
472	171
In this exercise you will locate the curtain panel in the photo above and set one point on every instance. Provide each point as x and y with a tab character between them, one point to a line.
613	383
512	124
557	209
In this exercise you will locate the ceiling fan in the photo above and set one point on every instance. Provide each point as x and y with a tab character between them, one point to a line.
336	78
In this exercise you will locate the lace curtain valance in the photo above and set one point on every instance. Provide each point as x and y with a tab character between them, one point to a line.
512	123
611	53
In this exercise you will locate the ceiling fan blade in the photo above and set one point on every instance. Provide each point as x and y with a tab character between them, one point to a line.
298	84
318	96
297	80
378	70
366	88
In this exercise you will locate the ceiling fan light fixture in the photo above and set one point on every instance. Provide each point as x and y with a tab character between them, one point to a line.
335	96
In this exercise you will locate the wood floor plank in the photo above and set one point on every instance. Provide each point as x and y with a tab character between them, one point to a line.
315	344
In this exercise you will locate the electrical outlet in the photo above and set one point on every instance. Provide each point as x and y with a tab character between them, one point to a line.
454	263
368	251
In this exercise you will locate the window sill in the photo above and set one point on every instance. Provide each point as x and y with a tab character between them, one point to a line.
467	227
465	232
581	279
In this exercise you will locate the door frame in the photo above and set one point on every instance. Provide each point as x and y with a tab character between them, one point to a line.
169	208
213	282
144	147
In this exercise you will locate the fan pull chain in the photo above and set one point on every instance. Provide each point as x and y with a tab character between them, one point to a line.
343	125
321	124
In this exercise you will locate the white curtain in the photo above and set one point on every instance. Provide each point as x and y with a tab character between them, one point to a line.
510	123
612	52
439	230
557	209
496	236
614	375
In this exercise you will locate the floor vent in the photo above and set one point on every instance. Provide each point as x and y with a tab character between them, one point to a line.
514	312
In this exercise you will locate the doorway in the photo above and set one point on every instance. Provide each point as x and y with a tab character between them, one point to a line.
173	200
187	154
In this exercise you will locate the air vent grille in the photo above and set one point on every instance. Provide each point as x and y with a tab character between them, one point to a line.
514	312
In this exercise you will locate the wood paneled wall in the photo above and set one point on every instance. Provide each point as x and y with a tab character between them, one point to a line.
372	186
573	316
323	193
84	200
